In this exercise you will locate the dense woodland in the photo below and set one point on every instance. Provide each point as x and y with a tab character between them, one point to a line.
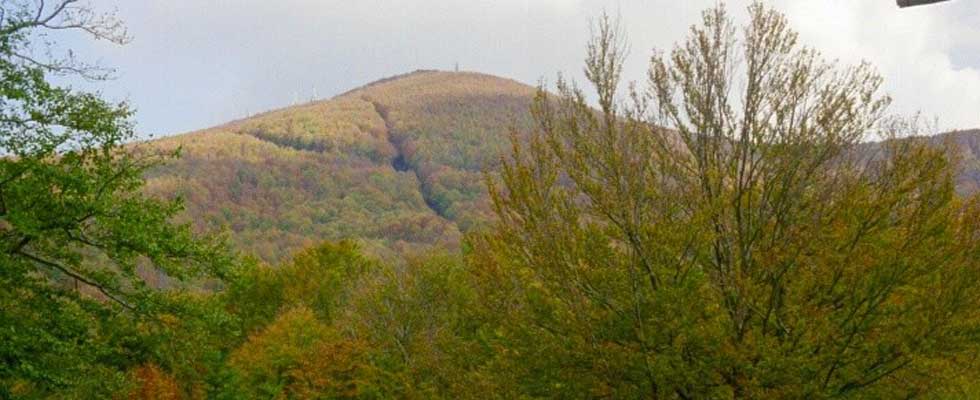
397	164
724	230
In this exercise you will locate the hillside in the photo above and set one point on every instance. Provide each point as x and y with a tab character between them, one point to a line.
396	163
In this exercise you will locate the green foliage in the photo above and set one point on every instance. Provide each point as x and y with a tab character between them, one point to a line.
721	236
333	321
319	278
297	356
417	319
90	269
50	345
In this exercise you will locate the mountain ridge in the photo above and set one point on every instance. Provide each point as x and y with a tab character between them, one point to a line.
397	163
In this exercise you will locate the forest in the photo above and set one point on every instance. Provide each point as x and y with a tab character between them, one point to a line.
751	222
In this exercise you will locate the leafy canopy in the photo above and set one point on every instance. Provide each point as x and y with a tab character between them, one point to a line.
719	235
83	254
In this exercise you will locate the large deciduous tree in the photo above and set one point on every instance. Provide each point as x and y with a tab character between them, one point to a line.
727	232
78	241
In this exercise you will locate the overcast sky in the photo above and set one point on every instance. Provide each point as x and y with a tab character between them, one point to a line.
197	63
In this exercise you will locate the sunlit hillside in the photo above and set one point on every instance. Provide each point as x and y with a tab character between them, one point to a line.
396	163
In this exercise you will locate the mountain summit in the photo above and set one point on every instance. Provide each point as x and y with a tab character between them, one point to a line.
397	163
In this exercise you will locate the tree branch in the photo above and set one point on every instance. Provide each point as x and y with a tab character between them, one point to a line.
77	276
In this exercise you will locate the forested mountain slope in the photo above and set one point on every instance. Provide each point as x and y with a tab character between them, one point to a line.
396	164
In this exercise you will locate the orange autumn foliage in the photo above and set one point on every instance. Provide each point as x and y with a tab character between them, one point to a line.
153	383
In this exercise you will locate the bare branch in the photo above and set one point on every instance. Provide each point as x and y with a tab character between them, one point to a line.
21	29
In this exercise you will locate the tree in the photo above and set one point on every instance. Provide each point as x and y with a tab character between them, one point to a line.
298	356
155	384
78	240
332	318
321	278
726	233
415	318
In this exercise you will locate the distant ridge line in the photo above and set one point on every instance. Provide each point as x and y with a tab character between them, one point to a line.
418	72
244	119
238	121
388	79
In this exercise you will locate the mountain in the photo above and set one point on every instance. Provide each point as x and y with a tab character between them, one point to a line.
397	163
968	145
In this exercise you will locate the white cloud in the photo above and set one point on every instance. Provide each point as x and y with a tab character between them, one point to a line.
196	63
913	48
